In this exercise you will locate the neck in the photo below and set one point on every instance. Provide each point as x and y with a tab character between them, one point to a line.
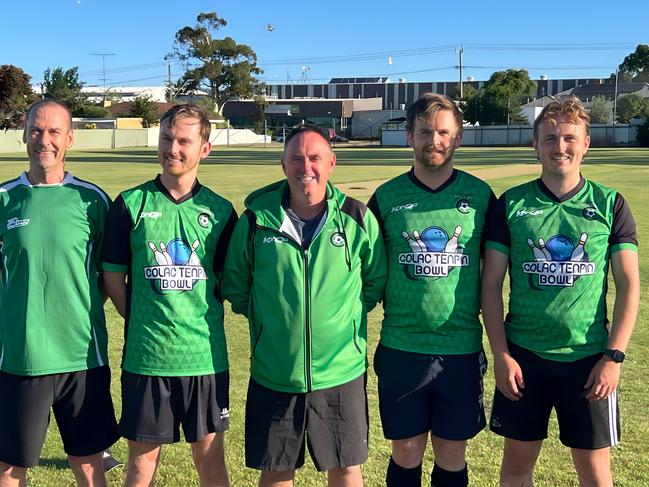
306	209
178	186
39	176
433	177
560	186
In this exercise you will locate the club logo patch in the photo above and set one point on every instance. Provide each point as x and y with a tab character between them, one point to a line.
558	262
178	266
434	254
337	239
204	220
589	213
463	206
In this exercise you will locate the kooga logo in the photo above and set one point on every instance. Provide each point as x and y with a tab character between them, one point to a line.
407	206
275	239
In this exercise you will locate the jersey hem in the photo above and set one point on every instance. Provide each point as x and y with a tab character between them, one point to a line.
438	350
316	387
175	372
38	373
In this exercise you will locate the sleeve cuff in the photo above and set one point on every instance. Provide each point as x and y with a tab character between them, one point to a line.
623	246
109	267
491	245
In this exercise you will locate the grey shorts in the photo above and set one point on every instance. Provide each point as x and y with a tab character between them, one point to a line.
332	422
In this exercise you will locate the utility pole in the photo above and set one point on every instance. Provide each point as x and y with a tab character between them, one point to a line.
460	51
615	99
103	68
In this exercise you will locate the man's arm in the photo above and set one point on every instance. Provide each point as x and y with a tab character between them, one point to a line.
604	377
115	286
237	271
509	376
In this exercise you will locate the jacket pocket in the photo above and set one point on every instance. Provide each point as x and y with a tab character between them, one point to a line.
358	349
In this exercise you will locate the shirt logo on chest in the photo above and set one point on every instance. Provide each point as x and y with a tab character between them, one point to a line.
178	266
16	222
151	214
434	252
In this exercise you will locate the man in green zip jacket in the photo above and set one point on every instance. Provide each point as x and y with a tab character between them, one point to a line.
305	265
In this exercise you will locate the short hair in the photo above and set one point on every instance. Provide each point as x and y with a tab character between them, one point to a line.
304	128
427	105
571	108
188	110
47	101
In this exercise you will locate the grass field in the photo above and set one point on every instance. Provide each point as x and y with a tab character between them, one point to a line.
234	173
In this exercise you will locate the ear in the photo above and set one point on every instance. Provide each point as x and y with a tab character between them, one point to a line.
458	141
205	149
410	137
535	146
587	143
332	162
70	138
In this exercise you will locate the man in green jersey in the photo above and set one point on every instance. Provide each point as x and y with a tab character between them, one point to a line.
305	265
53	342
558	235
163	254
430	362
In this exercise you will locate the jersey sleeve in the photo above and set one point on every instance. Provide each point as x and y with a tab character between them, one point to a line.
623	233
116	249
237	272
224	241
373	206
490	208
497	235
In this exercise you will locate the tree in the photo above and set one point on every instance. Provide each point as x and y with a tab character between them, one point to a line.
146	109
635	66
66	87
15	96
469	103
259	115
226	69
643	134
601	110
502	98
632	106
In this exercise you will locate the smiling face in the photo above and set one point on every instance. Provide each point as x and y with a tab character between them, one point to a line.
181	147
434	139
561	147
307	162
48	135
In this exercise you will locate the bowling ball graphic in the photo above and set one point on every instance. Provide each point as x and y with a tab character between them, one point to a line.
560	247
435	239
179	251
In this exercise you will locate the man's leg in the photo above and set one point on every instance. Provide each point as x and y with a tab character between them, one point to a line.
404	468
519	458
88	471
276	478
593	467
11	476
450	463
209	459
345	477
143	460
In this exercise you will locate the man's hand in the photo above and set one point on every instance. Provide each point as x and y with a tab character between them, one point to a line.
509	377
603	379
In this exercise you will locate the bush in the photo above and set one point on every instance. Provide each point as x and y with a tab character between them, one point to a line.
643	134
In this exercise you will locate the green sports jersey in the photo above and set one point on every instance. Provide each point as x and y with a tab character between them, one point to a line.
433	243
51	310
559	252
173	252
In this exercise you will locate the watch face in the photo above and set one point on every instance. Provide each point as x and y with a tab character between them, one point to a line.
616	355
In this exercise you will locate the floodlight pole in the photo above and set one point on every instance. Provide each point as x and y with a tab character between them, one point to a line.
615	99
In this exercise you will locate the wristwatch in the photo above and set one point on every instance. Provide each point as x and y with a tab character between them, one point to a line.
615	354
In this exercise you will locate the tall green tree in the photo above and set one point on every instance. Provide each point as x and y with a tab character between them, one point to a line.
635	66
15	95
632	106
601	110
224	68
501	100
65	86
145	108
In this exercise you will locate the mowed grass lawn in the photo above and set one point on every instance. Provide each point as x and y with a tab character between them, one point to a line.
234	173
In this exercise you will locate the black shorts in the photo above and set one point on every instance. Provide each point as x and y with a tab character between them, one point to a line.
550	384
153	408
334	421
82	407
438	393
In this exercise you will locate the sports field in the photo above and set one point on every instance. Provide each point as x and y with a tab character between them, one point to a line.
235	172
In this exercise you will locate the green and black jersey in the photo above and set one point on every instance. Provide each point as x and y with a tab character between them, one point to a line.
172	252
433	242
51	309
559	251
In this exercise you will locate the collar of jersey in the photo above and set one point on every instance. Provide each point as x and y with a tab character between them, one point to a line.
546	191
442	187
195	189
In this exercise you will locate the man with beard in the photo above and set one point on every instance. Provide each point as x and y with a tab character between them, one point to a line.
430	361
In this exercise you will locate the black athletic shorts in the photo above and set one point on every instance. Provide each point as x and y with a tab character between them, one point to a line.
153	408
438	393
82	407
550	384
333	421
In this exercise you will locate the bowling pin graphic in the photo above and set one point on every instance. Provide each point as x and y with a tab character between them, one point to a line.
193	258
159	258
414	245
163	251
451	245
418	239
545	251
538	253
578	254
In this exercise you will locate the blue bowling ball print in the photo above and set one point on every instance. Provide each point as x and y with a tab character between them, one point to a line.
560	248
179	251
435	239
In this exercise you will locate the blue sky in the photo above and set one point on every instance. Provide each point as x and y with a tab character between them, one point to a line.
324	39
